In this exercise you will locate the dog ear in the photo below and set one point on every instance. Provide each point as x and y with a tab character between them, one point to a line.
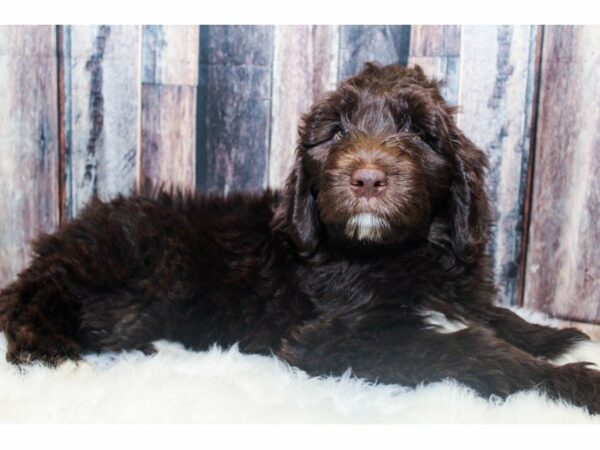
321	122
469	206
297	215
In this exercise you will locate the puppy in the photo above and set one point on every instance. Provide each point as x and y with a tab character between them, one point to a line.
372	258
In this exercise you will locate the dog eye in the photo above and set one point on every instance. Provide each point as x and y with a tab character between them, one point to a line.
417	130
423	135
339	134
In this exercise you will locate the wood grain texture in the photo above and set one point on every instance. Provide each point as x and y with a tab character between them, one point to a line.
563	273
29	197
497	84
170	54
436	48
102	65
168	123
234	107
386	44
304	67
168	136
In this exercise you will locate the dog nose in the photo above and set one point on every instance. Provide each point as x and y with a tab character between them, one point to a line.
368	182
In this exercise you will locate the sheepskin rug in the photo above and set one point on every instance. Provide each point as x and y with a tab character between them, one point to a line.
225	386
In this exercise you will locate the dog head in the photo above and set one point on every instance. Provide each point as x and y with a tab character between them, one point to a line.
381	161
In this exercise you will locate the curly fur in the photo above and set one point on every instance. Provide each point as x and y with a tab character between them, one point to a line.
296	272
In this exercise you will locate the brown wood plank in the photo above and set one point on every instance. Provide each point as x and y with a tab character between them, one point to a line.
304	67
496	92
436	48
168	124
102	66
530	165
386	44
234	107
168	136
563	273
63	148
29	197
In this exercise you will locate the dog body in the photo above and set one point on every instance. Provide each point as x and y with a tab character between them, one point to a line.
174	266
372	258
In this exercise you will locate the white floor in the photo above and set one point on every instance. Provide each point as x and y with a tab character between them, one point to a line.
178	386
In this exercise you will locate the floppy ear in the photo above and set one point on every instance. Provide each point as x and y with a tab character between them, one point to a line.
321	122
297	214
469	205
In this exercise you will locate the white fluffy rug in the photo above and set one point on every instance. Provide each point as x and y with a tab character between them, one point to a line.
225	386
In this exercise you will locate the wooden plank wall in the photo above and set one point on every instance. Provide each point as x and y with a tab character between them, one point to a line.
488	71
563	258
29	194
315	48
235	107
497	73
436	48
101	69
109	108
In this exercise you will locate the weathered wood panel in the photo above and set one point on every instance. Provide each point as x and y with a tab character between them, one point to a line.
563	273
436	48
304	67
168	125
496	92
102	78
234	107
385	44
29	197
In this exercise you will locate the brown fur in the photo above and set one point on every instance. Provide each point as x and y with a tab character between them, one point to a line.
284	272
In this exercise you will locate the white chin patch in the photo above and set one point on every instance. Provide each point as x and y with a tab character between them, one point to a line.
582	351
440	323
367	227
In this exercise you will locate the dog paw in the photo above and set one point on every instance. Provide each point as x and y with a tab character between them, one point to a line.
576	383
582	351
48	355
147	349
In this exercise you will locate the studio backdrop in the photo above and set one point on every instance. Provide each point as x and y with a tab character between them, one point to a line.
103	110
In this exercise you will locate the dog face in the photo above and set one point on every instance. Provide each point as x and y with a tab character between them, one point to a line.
380	161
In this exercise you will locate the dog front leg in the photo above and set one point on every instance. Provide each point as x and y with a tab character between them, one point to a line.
473	356
559	345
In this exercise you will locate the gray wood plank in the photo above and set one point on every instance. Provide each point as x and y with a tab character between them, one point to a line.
563	274
496	92
386	44
304	67
103	93
234	107
29	197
